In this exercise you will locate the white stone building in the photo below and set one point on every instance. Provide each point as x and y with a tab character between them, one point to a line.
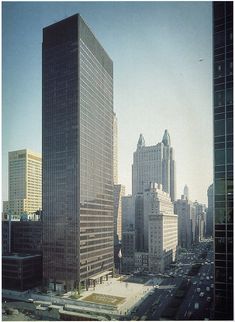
162	228
154	164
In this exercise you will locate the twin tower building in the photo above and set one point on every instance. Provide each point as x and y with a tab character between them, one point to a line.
77	147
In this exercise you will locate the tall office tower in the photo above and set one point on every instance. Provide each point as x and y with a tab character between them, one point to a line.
154	164
210	212
223	157
185	211
25	182
119	192
162	226
128	216
115	149
77	144
186	192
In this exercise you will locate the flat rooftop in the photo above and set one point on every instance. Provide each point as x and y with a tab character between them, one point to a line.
18	256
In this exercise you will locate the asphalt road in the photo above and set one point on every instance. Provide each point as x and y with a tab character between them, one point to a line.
153	306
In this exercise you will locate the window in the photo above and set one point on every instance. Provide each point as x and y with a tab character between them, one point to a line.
229	96
219	157
219	127
219	69
219	98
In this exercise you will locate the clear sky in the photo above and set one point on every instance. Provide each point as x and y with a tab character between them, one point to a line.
162	55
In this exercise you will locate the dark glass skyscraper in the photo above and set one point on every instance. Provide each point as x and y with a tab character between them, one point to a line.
77	127
223	157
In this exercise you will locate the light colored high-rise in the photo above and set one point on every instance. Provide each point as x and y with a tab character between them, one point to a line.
115	149
154	164
119	192
162	228
186	192
25	181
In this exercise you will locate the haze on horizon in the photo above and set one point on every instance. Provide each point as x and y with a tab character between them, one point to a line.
162	55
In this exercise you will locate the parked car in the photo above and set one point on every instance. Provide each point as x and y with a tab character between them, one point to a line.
201	294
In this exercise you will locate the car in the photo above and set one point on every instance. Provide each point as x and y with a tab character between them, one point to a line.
211	277
204	274
194	283
208	299
212	285
208	289
201	294
207	277
198	289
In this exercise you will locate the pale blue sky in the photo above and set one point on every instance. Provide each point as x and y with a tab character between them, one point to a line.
159	82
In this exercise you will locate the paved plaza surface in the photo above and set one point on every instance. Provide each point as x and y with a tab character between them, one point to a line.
121	293
115	297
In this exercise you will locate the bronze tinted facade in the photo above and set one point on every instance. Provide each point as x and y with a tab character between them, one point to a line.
77	155
223	158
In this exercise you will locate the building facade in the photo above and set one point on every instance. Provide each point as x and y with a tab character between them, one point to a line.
21	272
200	217
141	240
119	192
162	228
128	216
23	237
154	164
223	157
115	149
210	212
186	213
128	251
24	182
77	144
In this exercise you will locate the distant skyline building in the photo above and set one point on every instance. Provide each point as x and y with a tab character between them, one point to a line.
24	182
223	158
186	214
200	213
154	164
115	149
186	192
210	212
77	146
128	215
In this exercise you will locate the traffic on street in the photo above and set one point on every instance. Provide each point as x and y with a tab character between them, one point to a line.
186	292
